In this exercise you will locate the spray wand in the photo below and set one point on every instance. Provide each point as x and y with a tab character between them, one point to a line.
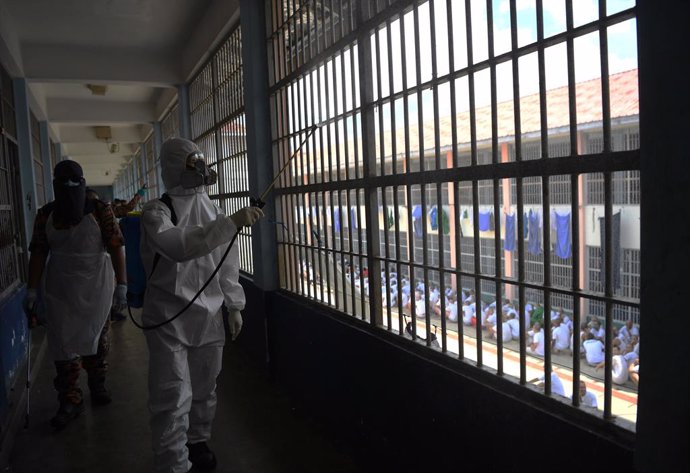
255	202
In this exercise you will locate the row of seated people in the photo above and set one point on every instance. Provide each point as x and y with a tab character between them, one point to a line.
625	345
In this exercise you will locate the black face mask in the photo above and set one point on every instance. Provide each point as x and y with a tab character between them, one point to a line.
70	200
197	173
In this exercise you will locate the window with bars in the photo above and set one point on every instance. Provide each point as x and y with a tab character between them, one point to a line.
37	155
53	155
12	264
217	116
7	116
468	105
151	161
170	124
626	184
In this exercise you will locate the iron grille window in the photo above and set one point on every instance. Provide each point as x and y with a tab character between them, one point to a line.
9	259
626	184
37	155
151	179
416	101
216	97
53	155
7	117
170	125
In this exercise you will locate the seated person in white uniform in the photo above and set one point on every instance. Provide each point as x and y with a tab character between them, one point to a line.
561	336
452	309
587	398
594	350
556	384
537	345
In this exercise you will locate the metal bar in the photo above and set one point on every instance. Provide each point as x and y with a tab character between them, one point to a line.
496	194
475	190
603	162
545	200
456	184
440	216
422	167
575	205
371	202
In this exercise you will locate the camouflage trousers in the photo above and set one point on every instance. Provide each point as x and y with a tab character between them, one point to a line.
66	381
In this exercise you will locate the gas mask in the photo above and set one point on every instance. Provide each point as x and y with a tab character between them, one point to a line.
197	173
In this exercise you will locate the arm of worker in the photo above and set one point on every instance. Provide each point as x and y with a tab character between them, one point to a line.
114	244
39	250
233	292
191	241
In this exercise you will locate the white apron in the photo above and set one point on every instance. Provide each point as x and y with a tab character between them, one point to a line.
79	284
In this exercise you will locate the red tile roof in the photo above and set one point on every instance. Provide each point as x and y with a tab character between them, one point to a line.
624	99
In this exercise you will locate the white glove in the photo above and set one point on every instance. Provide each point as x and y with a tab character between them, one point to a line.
235	323
30	302
247	216
120	297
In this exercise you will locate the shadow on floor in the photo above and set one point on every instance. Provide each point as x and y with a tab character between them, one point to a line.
256	429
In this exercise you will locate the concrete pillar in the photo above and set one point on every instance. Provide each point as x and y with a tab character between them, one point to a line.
259	155
663	430
26	166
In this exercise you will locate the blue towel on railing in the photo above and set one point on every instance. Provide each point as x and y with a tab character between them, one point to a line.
417	220
534	242
509	242
484	221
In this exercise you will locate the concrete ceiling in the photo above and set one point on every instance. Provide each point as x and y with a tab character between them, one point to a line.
141	50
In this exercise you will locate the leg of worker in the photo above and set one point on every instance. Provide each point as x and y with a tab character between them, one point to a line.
204	366
66	383
96	367
170	398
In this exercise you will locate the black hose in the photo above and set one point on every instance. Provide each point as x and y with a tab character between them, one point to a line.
196	296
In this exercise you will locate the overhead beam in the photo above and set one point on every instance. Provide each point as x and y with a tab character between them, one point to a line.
217	21
46	63
96	112
83	133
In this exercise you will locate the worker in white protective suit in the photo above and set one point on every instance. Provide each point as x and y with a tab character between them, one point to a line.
72	246
185	355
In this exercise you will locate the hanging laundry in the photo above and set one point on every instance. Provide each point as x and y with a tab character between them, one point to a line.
353	218
534	242
433	218
417	220
445	221
525	225
336	220
484	221
390	221
616	237
509	242
563	245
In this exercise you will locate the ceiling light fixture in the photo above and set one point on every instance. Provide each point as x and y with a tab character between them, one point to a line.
97	89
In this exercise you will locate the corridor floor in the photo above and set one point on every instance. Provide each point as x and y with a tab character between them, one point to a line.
256	429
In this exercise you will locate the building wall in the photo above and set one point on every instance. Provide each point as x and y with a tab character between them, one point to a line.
404	409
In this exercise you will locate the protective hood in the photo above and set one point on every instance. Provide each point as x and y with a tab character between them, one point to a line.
69	188
173	159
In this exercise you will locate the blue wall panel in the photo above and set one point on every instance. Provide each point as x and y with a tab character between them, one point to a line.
13	340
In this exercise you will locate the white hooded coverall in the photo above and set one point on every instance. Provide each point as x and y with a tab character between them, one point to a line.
185	355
